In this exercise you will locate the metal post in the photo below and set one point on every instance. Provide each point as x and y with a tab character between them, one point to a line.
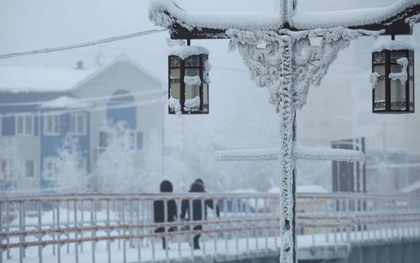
288	232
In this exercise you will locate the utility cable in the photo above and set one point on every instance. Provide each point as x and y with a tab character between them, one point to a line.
86	44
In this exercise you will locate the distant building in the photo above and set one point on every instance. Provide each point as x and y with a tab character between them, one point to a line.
39	107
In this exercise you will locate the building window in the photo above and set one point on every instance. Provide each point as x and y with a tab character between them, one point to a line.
136	140
50	168
30	169
5	169
52	124
24	125
78	123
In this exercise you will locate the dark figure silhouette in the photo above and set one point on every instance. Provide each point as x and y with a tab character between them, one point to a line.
159	211
195	213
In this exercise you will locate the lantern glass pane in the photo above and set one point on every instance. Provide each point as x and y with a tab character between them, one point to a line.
175	73
379	89
175	62
398	90
379	58
411	90
411	70
205	97
395	55
191	72
175	90
380	70
193	61
192	91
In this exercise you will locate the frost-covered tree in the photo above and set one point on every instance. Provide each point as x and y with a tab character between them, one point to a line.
119	166
12	167
69	167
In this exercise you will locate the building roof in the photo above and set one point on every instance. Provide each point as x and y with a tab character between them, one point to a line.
65	102
48	79
26	79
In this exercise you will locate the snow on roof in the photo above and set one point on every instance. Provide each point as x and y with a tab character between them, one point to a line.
302	189
65	102
14	79
411	187
391	45
253	21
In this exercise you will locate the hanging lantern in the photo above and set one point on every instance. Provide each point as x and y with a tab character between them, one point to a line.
392	77
189	81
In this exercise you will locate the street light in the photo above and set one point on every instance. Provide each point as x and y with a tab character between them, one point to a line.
392	77
188	72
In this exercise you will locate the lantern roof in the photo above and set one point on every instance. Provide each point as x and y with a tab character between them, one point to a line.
396	19
183	51
391	45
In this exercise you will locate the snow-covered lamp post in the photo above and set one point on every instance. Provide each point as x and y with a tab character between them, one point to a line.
188	83
287	65
392	77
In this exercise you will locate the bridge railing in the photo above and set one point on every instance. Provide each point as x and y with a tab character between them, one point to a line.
121	227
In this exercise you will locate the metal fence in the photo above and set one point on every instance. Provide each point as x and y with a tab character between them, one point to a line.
120	227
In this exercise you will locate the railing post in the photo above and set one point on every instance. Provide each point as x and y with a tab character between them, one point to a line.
39	203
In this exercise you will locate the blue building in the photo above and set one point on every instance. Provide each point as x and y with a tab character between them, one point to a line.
40	107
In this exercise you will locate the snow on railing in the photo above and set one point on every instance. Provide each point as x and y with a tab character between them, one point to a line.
121	227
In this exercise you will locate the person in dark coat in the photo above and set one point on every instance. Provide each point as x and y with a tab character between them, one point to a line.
195	214
159	210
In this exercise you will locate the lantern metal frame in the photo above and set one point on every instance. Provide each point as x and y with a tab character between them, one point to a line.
203	87
390	59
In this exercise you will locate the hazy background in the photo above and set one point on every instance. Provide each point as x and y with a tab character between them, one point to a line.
240	115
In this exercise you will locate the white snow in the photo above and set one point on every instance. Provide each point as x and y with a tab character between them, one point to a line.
373	78
401	76
174	105
192	104
66	102
392	45
194	80
40	79
186	51
300	152
166	12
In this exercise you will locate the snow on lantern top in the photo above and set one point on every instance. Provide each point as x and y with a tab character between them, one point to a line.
188	88
391	45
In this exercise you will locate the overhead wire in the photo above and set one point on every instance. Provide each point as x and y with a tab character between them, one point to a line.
80	45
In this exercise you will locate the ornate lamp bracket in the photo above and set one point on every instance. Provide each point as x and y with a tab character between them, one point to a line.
266	54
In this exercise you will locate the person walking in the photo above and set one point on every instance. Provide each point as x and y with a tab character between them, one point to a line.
159	211
195	212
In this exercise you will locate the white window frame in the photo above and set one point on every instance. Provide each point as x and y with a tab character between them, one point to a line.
75	129
24	128
50	174
34	169
46	122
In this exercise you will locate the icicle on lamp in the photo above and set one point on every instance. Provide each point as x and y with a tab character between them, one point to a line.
189	80
392	77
